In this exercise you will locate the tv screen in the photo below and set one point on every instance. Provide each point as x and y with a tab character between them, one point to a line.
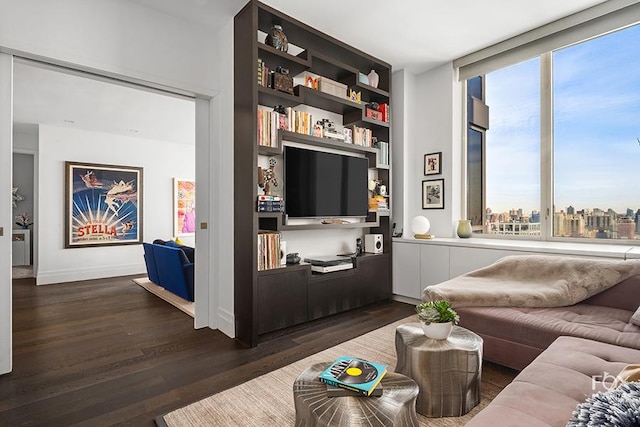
321	184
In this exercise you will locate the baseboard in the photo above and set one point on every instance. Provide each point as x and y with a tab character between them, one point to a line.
406	300
226	322
78	274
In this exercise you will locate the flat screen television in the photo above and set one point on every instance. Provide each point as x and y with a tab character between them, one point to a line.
318	184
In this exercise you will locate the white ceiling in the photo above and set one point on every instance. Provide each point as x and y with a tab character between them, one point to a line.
50	97
414	34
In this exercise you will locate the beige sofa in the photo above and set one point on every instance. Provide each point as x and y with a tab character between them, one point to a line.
564	353
515	336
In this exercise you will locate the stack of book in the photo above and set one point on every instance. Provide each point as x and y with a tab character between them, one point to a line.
383	158
270	121
270	204
268	250
356	376
264	74
362	136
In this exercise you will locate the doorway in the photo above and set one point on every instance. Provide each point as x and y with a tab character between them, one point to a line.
63	115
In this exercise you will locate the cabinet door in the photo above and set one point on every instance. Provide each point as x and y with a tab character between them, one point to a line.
434	265
406	269
374	279
331	293
282	300
464	260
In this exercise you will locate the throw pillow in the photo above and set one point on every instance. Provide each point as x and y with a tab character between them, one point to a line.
619	407
635	319
178	241
628	374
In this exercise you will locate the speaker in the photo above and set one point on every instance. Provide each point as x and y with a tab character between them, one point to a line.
283	252
373	243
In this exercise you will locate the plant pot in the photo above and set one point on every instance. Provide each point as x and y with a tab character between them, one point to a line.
437	331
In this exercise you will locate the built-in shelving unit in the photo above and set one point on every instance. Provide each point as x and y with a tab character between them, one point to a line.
260	295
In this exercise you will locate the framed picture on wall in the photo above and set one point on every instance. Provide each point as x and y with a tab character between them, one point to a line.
433	194
432	163
184	207
103	205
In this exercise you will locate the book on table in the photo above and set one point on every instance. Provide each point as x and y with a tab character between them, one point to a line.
354	374
343	392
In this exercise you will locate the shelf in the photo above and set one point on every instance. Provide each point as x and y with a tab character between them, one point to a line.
369	93
325	101
330	68
358	118
274	221
263	150
284	135
271	97
274	58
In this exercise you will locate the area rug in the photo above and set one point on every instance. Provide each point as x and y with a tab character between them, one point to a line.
268	400
170	297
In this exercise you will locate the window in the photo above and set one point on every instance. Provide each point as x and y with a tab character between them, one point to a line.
579	168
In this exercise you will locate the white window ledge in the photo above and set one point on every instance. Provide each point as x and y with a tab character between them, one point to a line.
569	248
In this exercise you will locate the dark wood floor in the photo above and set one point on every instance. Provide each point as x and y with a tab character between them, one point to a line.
107	352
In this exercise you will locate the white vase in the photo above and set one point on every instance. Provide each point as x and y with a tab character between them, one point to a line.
437	331
373	78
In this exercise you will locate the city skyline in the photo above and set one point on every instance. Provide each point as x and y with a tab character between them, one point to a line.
596	127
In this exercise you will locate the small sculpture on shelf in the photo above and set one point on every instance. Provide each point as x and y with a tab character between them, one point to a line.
277	38
266	177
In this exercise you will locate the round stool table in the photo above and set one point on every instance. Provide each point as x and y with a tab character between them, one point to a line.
447	371
396	406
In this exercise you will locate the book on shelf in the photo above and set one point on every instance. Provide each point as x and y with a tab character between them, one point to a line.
383	146
362	136
268	250
343	392
352	373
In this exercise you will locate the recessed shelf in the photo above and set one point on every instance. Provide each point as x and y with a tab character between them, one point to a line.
274	58
271	98
369	93
284	135
326	101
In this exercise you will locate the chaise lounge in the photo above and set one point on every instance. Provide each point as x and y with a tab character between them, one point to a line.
566	353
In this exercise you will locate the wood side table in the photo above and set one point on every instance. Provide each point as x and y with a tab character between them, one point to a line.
395	408
448	372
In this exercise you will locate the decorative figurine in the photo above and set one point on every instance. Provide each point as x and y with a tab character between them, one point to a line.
276	38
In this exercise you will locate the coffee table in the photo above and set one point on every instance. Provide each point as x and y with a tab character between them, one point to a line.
396	406
448	372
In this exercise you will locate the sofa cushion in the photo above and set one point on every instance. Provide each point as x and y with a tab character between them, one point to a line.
635	319
539	327
547	391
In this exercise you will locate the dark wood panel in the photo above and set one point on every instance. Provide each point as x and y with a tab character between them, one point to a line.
107	352
282	300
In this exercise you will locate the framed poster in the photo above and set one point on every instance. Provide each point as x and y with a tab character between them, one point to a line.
432	163
103	205
433	194
184	207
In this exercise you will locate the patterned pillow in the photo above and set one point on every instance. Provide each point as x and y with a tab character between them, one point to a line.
635	319
619	407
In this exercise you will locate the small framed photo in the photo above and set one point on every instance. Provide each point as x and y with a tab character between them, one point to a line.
432	163
433	194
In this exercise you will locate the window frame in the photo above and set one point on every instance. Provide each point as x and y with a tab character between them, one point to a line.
546	163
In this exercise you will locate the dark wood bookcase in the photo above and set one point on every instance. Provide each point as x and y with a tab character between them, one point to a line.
274	299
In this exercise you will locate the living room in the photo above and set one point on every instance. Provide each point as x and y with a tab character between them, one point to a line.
434	122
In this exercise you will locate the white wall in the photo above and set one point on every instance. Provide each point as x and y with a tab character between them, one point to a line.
115	36
431	117
161	162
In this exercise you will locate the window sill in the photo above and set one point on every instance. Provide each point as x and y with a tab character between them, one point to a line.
582	249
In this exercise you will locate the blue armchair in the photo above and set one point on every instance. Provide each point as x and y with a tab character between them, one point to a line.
169	267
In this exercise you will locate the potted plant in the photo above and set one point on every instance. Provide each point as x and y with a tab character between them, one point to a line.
437	318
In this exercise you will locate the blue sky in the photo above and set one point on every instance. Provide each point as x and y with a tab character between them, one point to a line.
596	126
